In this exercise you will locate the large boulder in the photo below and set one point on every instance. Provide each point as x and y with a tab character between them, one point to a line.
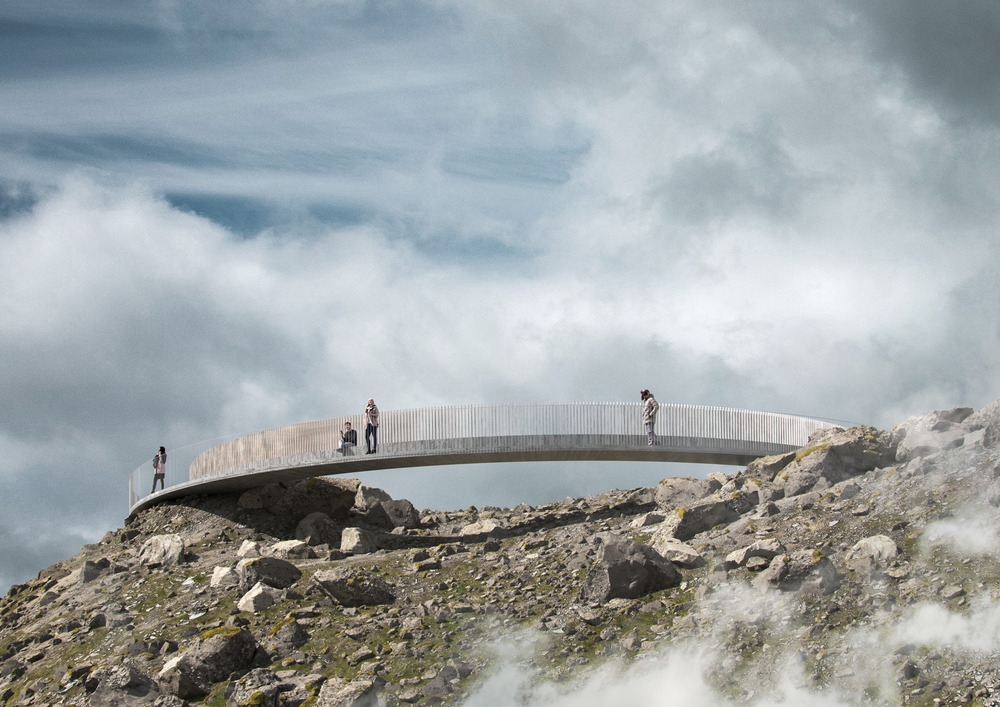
297	499
292	550
685	522
318	529
679	491
872	552
401	513
767	468
261	497
369	496
287	636
217	655
272	571
360	692
333	496
677	552
354	586
988	420
835	455
931	432
260	688
484	526
161	550
806	571
259	598
627	569
358	541
121	684
224	578
983	418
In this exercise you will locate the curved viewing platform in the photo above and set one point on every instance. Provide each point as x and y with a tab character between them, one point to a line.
474	434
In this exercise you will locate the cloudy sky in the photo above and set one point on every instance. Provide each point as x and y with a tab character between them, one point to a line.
217	217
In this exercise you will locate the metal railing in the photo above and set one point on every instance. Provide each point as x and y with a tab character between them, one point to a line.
467	431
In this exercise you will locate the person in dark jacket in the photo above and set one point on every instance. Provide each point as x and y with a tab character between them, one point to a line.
348	439
159	468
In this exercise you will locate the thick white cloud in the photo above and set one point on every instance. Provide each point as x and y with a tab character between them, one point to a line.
485	202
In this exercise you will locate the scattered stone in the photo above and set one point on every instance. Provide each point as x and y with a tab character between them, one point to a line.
292	549
272	571
162	550
224	578
354	586
766	549
260	597
481	527
677	552
362	692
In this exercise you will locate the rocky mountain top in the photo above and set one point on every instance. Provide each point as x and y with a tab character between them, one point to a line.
860	569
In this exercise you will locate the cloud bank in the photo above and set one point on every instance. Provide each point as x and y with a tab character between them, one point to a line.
213	222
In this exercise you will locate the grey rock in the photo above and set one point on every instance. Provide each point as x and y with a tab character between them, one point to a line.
993	494
333	496
931	432
627	569
215	656
685	522
767	468
284	638
361	692
983	417
122	684
272	571
799	482
767	548
260	688
354	586
671	493
161	550
647	519
806	571
835	455
357	541
259	598
318	529
250	548
482	527
401	513
261	497
677	552
877	548
224	578
291	549
368	497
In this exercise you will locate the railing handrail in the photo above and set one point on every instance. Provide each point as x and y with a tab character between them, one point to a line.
483	428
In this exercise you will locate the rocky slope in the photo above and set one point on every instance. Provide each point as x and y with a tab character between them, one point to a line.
861	569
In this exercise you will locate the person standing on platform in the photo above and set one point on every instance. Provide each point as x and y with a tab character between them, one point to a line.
649	408
159	468
371	427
